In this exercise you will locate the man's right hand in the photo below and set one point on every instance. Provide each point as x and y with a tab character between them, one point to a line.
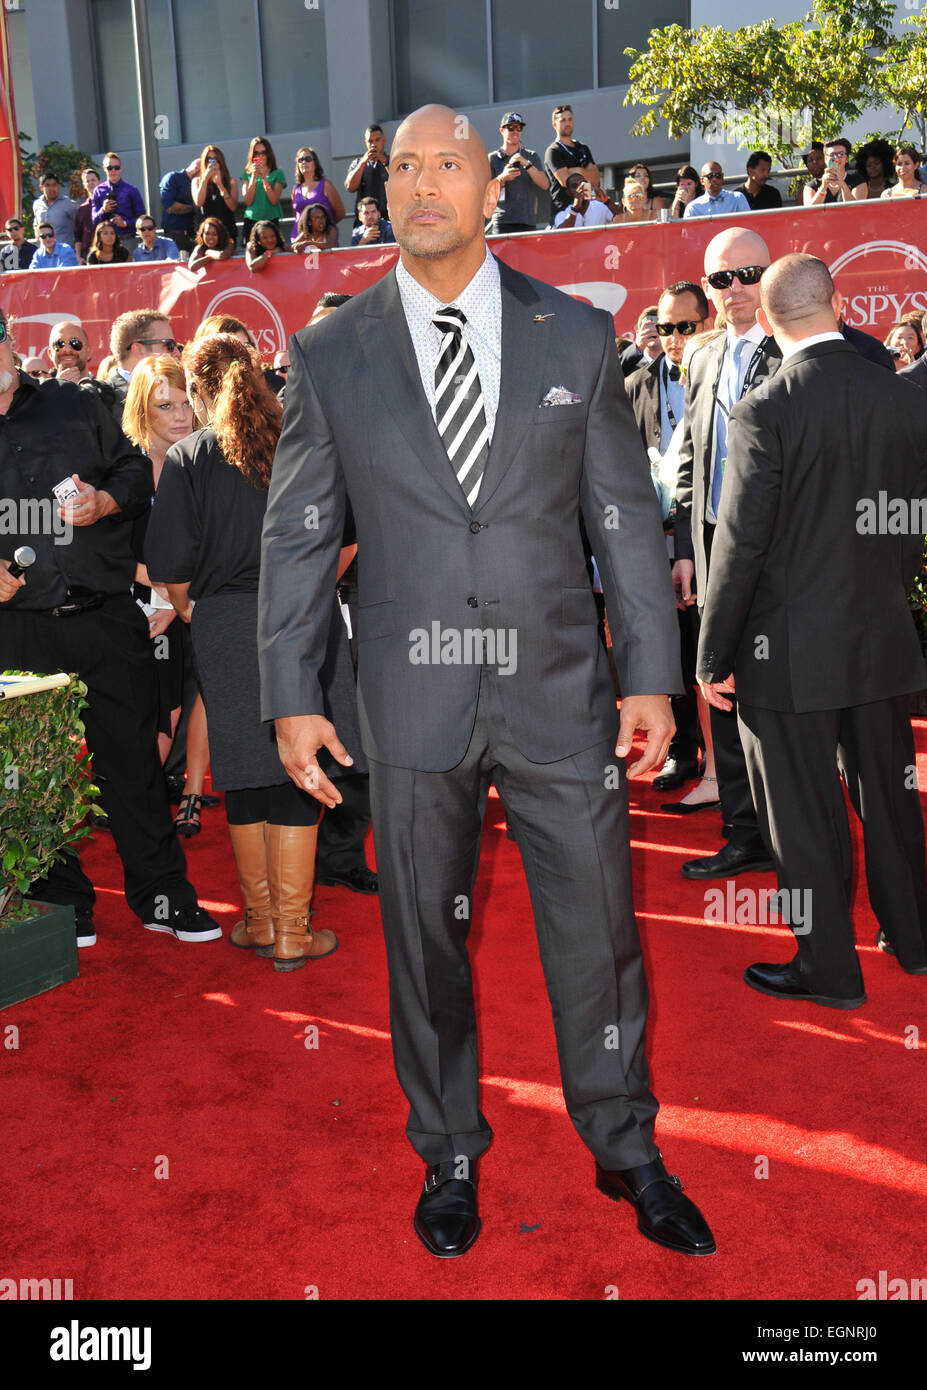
371	234
8	585
683	575
299	738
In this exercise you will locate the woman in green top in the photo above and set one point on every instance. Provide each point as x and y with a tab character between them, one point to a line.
262	183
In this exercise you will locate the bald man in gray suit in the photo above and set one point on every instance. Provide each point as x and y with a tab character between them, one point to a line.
486	414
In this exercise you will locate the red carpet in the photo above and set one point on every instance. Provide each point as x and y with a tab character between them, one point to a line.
286	1168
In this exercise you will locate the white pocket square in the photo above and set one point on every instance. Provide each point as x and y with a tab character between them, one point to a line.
559	395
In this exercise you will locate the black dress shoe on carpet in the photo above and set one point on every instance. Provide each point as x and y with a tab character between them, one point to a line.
674	772
883	943
781	983
446	1219
359	880
727	862
664	1215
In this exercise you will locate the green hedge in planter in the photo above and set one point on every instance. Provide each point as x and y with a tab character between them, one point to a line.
46	790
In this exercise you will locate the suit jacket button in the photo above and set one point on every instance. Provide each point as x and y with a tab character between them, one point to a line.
476	527
473	602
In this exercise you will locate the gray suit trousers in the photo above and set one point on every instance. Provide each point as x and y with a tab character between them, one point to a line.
572	829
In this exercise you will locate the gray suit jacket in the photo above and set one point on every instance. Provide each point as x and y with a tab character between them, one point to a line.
693	479
357	424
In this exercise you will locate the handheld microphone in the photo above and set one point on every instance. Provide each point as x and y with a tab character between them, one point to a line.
22	559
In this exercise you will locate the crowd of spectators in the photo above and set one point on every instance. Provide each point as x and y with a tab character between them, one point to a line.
201	204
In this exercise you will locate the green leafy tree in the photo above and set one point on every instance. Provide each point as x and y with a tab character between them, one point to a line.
902	78
765	84
66	162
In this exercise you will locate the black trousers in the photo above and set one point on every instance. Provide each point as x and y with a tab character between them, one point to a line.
572	828
110	650
738	812
793	764
344	827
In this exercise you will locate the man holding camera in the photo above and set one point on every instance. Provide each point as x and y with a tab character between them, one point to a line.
589	206
117	201
518	172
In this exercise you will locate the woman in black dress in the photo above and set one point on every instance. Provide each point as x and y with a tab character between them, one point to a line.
215	192
204	543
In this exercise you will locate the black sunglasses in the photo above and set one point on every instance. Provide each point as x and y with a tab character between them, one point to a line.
2	330
148	227
746	274
281	371
14	226
112	166
74	343
685	326
169	343
46	236
718	175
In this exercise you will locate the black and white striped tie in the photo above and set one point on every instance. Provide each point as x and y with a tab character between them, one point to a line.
459	412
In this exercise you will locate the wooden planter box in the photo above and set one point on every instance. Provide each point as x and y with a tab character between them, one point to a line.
38	954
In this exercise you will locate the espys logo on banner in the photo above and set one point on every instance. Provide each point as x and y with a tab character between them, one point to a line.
887	278
249	305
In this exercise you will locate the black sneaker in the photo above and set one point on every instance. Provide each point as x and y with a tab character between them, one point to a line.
86	931
188	923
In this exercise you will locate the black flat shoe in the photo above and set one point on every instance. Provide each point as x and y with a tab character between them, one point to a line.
883	944
446	1219
674	772
727	862
780	982
664	1215
679	808
358	880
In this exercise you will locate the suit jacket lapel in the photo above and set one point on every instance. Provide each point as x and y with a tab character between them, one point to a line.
390	357
714	376
524	351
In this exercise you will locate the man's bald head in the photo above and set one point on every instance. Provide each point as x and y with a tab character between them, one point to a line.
796	287
439	195
735	247
66	356
437	121
798	299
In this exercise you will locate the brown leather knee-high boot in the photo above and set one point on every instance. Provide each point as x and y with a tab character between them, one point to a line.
291	874
249	847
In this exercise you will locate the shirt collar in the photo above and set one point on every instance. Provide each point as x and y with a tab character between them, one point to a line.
420	305
754	334
809	342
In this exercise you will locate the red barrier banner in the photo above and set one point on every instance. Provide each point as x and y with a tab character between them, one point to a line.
875	250
11	180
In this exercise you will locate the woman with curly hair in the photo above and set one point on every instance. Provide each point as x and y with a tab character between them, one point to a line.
106	248
204	544
213	243
264	243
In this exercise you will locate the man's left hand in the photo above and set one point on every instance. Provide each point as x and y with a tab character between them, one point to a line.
88	506
712	692
650	712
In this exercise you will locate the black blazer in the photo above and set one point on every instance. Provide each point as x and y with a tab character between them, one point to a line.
916	373
805	605
643	388
868	347
693	477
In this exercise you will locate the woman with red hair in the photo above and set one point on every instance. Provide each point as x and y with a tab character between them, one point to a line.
204	544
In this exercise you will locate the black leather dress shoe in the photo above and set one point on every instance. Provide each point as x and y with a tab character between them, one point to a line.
446	1219
359	880
782	983
674	772
727	862
885	945
664	1215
